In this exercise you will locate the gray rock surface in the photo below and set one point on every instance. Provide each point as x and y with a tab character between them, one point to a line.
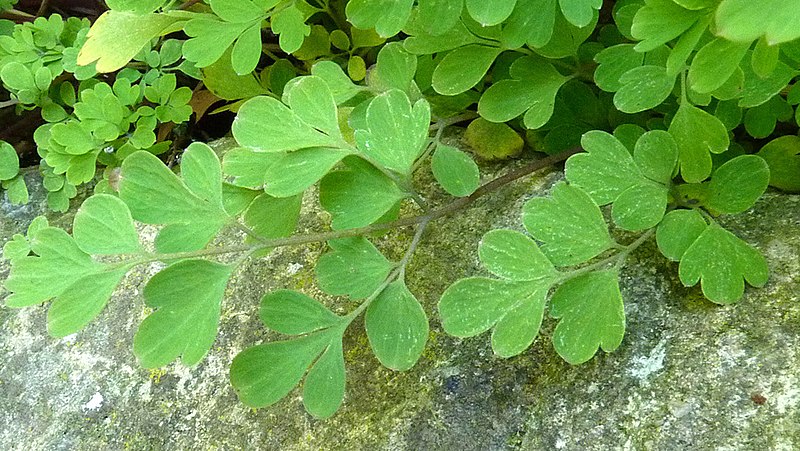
689	374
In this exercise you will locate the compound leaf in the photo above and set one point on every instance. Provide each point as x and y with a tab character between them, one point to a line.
570	225
721	262
293	313
187	297
354	268
103	225
397	327
591	316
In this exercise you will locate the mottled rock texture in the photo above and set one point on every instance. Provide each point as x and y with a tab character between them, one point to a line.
689	374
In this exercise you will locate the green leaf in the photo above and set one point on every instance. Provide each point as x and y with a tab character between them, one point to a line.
263	374
247	166
9	161
455	171
643	88
312	101
591	316
438	16
58	263
490	13
210	39
186	297
394	69
783	157
354	268
721	262
340	85
613	62
744	21
247	50
397	327
661	21
570	225
268	125
16	190
714	64
103	225
222	80
512	255
81	302
640	207
736	185
396	132
323	389
656	155
388	17
764	58
358	195
463	68
138	6
290	24
292	173
532	91
239	10
293	313
698	134
677	231
117	36
273	217
530	23
17	76
580	12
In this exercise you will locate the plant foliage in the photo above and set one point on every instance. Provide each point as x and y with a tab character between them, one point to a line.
685	110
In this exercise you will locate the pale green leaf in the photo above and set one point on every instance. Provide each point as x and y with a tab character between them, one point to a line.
293	313
138	6
439	16
81	302
397	327
455	171
247	166
9	161
186	297
341	86
640	207
290	24
570	225
312	101
605	170
273	217
783	157
266	124
58	263
394	69
237	10
745	21
591	316
210	39
722	262
103	225
202	173
396	132
222	80
186	237
354	268
292	173
514	256
117	36
247	51
358	195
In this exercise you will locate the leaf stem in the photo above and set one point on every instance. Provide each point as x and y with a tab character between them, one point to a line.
617	259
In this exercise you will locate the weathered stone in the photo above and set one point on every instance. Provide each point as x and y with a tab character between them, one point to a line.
689	374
